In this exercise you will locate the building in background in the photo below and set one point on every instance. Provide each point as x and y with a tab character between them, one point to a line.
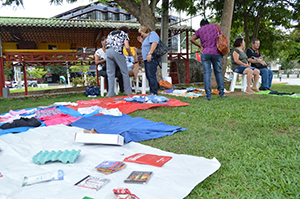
111	12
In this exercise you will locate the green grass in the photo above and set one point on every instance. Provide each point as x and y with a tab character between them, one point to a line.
30	89
254	137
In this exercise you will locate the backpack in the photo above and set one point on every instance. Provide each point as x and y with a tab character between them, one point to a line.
92	90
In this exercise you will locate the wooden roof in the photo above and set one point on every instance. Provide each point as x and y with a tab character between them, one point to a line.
83	33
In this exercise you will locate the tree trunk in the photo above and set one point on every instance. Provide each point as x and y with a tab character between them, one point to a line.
226	26
246	26
143	12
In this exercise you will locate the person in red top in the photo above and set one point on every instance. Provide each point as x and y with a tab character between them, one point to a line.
209	55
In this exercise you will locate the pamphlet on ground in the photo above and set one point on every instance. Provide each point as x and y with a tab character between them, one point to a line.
92	182
154	160
107	167
139	177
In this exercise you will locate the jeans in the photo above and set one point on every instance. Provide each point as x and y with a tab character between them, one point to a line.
267	77
216	61
150	69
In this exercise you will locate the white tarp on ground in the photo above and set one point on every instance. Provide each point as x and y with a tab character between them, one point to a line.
174	180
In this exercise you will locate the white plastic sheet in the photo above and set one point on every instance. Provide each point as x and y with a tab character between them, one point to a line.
174	180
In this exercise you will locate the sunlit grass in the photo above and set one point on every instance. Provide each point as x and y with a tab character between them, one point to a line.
255	138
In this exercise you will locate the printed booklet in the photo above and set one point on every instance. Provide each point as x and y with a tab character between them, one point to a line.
154	160
92	182
107	167
140	177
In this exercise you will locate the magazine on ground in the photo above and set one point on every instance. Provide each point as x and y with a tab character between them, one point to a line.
140	177
154	160
92	182
108	167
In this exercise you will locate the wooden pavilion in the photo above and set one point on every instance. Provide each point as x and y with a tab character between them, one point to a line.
24	40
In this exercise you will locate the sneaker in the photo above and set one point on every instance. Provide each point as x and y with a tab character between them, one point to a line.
263	89
223	96
207	98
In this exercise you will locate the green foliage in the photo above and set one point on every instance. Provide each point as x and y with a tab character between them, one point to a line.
77	81
261	19
12	2
37	72
8	73
290	50
91	80
192	7
80	68
58	70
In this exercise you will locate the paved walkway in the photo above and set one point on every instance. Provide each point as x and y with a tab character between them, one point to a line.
288	81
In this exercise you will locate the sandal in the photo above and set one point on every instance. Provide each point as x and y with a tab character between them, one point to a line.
249	92
256	90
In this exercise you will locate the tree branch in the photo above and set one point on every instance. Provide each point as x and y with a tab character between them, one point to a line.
131	6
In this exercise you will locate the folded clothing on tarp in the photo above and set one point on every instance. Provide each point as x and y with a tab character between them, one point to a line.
132	129
123	106
23	122
45	116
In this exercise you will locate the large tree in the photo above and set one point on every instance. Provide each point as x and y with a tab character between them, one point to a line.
143	10
253	15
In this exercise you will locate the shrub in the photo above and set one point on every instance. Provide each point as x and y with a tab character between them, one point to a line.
77	81
91	80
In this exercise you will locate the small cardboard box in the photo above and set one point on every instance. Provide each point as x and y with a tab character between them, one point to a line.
93	138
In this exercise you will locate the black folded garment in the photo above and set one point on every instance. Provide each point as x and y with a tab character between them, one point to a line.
277	93
23	122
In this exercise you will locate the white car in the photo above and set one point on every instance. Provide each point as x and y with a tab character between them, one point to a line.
8	84
16	84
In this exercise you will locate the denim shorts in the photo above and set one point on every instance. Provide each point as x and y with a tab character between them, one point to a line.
240	69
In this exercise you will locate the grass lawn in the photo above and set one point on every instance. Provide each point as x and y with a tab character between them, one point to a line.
30	89
255	138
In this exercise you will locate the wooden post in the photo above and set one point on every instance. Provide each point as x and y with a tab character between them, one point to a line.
187	65
97	72
2	80
25	78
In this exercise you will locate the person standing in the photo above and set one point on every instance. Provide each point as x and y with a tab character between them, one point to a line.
280	76
210	55
149	40
257	61
100	59
116	40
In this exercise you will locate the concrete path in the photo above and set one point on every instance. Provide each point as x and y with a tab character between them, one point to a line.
288	81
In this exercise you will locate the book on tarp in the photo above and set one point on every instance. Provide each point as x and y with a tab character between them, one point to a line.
139	177
93	138
107	167
92	182
150	159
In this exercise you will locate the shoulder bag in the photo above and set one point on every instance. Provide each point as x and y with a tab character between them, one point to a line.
222	42
160	49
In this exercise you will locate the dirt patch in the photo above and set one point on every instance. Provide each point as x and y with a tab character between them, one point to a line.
241	94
